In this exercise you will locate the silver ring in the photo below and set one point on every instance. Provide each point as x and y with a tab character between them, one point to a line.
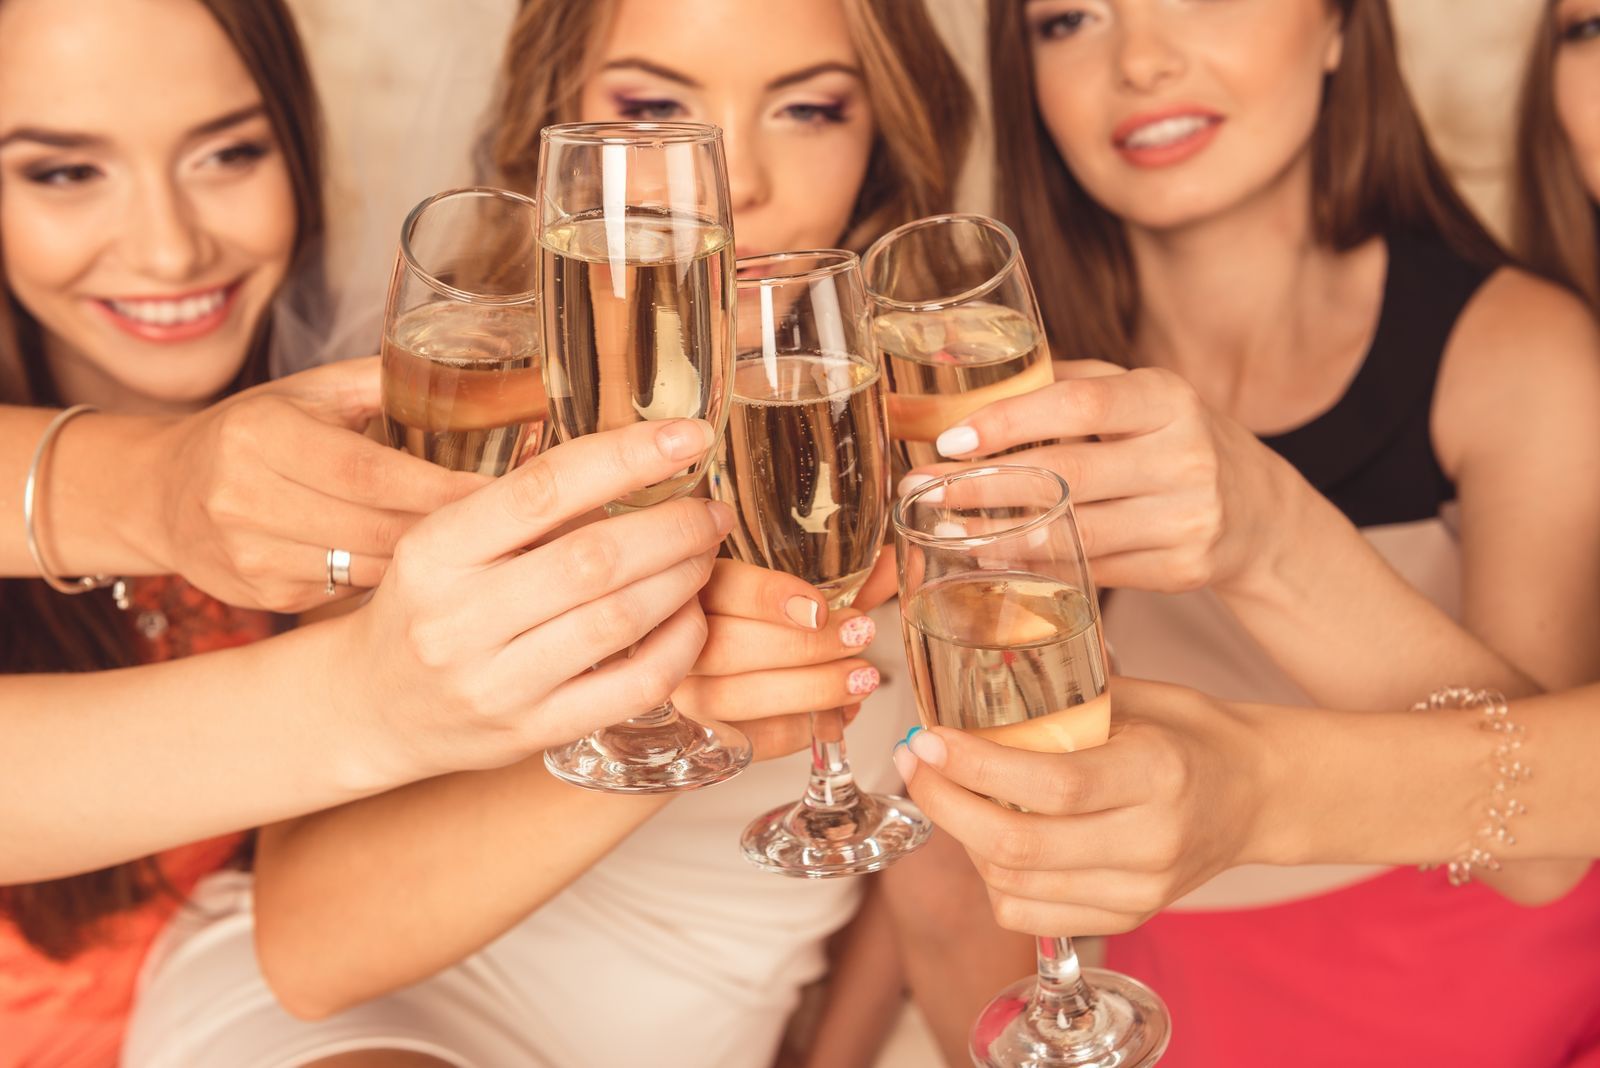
338	570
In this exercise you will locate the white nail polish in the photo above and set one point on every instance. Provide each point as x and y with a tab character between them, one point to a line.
957	441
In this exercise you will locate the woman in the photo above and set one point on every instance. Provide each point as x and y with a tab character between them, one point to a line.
1557	221
705	938
1240	194
187	166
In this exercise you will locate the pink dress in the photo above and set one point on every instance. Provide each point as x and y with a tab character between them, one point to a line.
1339	966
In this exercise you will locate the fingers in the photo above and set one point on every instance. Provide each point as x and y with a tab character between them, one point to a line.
1051	784
573	478
1068	369
622	688
744	590
1093	471
881	584
348	393
787	691
593	561
1049	919
1136	402
739	645
352	467
571	643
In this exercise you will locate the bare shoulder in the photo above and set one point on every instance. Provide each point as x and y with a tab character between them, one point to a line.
1525	354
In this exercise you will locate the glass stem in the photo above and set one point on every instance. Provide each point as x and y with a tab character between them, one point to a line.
1061	994
831	786
658	716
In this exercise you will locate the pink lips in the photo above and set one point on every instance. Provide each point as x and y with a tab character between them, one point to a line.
187	330
1203	125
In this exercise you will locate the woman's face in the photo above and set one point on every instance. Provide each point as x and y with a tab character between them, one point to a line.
782	79
1170	112
146	215
1578	84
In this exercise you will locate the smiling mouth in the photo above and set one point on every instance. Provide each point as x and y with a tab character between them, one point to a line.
179	318
1164	133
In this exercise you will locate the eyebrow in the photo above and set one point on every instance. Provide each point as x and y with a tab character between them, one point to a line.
70	139
792	78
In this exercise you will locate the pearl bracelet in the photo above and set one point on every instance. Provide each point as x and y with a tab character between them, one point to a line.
1509	772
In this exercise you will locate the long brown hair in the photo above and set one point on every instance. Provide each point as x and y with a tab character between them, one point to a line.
921	101
1373	172
1555	223
40	630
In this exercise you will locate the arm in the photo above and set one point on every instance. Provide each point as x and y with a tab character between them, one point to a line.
449	666
332	888
1175	497
243	497
1189	786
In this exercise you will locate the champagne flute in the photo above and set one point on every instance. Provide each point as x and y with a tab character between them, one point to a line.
636	284
805	467
1002	630
956	320
461	381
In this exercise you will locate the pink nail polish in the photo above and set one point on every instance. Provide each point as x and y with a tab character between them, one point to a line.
862	681
857	632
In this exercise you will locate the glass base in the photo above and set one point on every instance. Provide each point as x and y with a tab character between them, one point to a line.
675	754
827	842
1127	1028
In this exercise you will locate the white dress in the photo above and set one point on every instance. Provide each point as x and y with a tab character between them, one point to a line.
671	952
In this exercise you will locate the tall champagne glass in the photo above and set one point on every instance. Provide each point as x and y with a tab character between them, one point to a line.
1002	630
461	381
805	467
955	318
636	284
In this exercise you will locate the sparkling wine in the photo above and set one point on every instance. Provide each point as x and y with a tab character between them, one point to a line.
1012	656
638	325
461	385
945	365
805	466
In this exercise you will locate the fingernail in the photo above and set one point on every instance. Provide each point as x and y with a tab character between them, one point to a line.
803	610
957	441
905	761
684	439
721	515
928	746
911	483
857	632
862	681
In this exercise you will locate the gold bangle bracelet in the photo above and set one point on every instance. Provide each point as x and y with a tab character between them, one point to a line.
30	517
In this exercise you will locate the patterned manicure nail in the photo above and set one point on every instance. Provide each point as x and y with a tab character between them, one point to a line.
857	632
862	681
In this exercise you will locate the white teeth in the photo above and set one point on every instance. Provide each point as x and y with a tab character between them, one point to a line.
171	312
1166	132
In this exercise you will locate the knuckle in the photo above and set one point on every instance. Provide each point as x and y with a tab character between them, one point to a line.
591	559
425	644
613	620
1014	847
533	490
1010	912
653	683
363	468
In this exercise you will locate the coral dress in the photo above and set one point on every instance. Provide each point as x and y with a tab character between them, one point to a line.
71	1014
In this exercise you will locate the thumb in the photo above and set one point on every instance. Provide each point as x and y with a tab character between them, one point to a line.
348	393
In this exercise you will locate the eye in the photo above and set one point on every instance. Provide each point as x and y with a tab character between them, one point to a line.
814	114
1055	27
73	174
241	155
649	110
1585	29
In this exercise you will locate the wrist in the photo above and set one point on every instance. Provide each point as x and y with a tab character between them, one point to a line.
134	459
1265	573
366	756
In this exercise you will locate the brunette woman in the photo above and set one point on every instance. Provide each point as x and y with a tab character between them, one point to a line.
1347	467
